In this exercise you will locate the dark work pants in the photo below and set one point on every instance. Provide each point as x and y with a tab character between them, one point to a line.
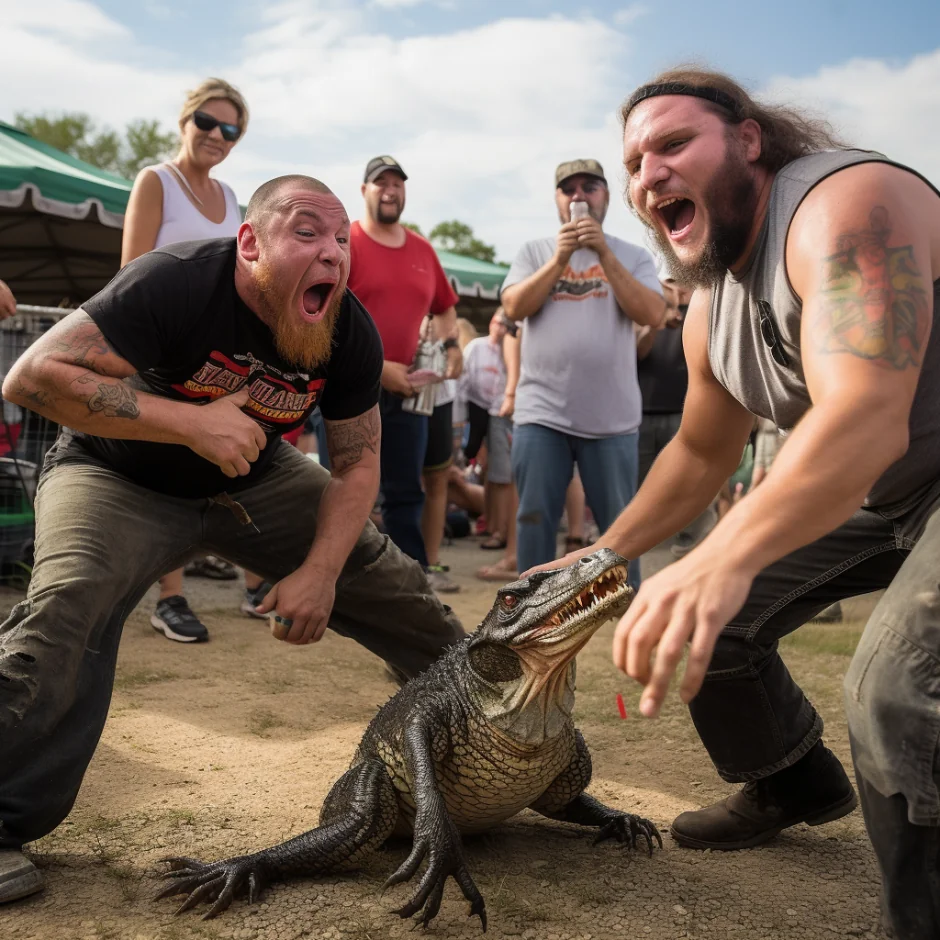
101	542
404	442
754	719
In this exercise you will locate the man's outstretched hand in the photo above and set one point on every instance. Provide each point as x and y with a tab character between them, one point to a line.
691	599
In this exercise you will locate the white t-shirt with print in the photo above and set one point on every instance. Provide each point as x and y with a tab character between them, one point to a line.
483	380
578	371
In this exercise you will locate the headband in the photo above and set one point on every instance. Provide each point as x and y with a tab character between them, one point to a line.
714	95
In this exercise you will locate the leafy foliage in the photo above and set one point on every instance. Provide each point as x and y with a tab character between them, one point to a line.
75	133
458	237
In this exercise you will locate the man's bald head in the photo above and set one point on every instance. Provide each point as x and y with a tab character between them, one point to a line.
270	197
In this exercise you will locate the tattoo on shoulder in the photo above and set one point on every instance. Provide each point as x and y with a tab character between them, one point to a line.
874	298
346	440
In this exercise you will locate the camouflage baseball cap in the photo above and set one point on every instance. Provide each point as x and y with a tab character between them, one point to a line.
379	165
573	167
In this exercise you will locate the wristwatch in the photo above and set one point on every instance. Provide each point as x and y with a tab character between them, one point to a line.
450	343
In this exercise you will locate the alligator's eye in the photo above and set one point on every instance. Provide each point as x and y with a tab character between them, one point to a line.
509	601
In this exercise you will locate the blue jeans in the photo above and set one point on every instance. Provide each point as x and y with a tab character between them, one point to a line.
543	464
404	442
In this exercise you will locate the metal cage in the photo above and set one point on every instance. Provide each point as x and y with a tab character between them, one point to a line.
24	439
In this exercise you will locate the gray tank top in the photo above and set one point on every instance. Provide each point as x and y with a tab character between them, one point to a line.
743	363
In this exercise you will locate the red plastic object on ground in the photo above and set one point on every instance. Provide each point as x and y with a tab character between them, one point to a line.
620	706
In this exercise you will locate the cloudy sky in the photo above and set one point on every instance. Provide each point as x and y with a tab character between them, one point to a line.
478	99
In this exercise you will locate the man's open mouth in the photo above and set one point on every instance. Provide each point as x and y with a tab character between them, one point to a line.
678	214
315	300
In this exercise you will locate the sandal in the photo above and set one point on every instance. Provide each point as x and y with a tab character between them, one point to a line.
493	544
498	572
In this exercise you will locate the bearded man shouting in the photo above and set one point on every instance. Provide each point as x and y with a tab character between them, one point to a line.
173	386
818	270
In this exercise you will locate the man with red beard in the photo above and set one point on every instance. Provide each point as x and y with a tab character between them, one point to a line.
398	277
173	387
818	270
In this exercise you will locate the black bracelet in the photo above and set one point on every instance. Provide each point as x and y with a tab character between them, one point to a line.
450	343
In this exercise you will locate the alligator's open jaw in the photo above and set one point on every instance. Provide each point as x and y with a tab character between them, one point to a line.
602	598
609	587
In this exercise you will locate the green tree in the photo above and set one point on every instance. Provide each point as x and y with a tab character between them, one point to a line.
458	237
75	133
414	227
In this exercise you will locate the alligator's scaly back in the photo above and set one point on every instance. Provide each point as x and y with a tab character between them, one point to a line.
485	732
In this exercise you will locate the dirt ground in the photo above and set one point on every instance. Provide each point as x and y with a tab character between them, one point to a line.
223	748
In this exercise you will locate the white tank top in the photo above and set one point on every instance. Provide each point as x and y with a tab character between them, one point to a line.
183	222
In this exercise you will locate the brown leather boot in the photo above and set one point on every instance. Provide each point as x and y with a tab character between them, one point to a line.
814	790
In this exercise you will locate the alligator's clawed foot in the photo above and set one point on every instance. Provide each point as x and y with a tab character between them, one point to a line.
445	859
217	882
626	827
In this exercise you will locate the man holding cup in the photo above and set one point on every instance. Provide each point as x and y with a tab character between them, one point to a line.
580	295
399	279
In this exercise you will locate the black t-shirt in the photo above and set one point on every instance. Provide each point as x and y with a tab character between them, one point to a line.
174	315
663	374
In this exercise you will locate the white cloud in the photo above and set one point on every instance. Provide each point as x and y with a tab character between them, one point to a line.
877	105
478	117
77	19
629	15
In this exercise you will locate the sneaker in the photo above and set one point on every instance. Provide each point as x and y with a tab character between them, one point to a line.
814	790
176	621
253	597
211	566
19	877
439	580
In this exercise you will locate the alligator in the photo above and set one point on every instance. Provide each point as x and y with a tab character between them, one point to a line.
485	732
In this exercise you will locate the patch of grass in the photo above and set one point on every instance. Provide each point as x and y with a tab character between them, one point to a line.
134	679
261	722
180	817
838	639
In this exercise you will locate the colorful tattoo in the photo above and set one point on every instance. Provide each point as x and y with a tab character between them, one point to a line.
874	298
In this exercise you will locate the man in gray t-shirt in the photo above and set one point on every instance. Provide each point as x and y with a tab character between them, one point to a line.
578	402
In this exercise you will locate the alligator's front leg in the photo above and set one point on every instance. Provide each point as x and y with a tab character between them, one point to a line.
435	835
358	815
566	800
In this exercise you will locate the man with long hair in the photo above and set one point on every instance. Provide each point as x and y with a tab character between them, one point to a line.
173	387
817	271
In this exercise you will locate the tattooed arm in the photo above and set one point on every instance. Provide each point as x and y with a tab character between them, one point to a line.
304	599
862	252
73	376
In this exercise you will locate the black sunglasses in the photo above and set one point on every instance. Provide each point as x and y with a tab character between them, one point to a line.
206	122
768	331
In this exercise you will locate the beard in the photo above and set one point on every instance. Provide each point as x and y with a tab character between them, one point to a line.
305	345
387	213
731	202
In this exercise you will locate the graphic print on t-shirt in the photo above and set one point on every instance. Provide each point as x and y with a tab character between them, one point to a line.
276	398
579	285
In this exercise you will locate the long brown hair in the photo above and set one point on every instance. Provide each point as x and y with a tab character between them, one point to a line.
786	133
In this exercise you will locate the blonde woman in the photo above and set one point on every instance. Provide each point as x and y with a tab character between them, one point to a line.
180	201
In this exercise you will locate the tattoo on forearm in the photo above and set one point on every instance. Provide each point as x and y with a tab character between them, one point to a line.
346	440
874	298
112	399
36	398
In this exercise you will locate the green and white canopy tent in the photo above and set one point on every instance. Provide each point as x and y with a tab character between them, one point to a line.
61	222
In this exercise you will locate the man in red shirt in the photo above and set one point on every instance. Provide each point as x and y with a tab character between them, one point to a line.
398	278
